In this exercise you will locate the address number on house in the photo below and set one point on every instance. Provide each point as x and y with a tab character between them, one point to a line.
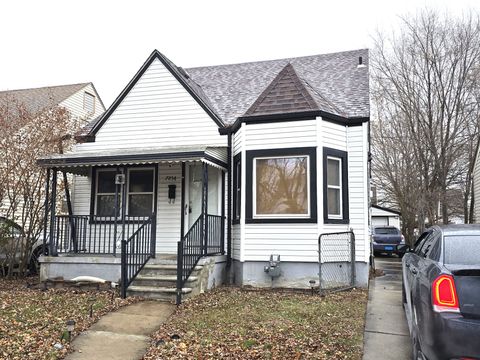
168	179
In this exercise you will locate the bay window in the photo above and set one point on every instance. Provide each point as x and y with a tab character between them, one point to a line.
282	185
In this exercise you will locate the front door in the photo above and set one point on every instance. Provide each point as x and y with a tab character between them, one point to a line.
193	193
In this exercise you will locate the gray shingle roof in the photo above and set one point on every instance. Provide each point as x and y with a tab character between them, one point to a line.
335	81
36	99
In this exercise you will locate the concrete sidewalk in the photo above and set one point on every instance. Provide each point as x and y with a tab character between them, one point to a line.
123	334
386	331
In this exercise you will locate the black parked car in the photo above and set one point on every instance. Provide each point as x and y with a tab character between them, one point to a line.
441	293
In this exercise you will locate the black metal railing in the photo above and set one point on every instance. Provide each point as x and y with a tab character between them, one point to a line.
85	234
136	251
205	237
214	238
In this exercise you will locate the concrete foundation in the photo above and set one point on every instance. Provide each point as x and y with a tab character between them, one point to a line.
296	274
69	267
213	273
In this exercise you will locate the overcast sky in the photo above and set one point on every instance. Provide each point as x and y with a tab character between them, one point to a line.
61	42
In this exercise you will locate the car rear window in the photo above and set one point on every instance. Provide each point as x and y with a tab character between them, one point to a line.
386	231
462	250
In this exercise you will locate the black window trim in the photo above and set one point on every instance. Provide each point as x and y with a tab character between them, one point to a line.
311	152
237	160
343	155
93	194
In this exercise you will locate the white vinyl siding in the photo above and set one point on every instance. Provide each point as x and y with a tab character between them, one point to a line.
299	241
82	187
293	242
358	188
286	134
333	136
157	111
74	104
168	214
238	140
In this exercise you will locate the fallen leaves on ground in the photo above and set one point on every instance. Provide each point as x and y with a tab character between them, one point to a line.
33	321
236	323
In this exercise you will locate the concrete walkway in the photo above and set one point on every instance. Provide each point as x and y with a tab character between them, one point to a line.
386	331
123	334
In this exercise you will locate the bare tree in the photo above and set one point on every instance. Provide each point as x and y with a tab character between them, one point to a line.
26	135
425	81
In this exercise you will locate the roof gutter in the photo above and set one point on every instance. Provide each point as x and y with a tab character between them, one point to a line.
294	116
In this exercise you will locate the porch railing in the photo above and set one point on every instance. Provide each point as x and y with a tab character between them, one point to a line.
85	234
136	251
204	238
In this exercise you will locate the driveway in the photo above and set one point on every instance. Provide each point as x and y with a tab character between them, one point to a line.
386	332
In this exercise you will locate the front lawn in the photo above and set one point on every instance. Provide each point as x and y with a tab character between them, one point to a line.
33	321
236	323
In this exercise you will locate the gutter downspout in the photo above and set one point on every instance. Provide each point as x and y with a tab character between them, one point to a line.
229	201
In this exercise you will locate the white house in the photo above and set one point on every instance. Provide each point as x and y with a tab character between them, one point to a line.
382	216
233	163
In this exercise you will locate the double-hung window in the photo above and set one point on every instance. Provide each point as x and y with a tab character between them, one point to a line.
105	192
282	184
139	192
335	186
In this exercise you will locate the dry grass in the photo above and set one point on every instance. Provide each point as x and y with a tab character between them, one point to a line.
33	321
263	324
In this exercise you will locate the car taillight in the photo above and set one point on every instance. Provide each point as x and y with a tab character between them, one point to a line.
444	294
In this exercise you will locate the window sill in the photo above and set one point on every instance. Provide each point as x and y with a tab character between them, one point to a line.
281	220
336	221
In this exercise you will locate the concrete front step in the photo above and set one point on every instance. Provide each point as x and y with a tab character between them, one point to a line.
164	259
158	293
163	269
159	280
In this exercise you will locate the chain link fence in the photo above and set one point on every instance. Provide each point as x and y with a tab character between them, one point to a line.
336	261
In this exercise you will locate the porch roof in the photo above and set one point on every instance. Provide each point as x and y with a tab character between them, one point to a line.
77	162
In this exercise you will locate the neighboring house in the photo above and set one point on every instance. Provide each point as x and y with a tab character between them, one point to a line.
81	100
246	160
382	216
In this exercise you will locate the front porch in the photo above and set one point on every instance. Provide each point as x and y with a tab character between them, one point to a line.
118	238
